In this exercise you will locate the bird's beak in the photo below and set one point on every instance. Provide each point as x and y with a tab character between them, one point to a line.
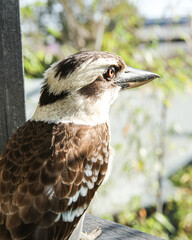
131	78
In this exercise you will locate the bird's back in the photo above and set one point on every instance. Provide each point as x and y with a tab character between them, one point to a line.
48	175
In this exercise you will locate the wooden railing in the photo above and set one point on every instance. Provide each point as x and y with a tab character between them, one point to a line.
114	231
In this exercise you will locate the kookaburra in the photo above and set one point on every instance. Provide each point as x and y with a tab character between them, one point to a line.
52	166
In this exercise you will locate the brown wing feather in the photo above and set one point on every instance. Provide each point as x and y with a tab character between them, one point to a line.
48	175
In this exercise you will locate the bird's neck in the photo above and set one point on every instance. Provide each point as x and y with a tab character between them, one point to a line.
73	110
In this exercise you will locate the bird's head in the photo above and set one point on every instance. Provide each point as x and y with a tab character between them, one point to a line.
81	87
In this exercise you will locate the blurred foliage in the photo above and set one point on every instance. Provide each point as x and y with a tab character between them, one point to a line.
175	223
54	29
183	178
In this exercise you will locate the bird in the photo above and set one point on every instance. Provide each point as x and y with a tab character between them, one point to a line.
53	165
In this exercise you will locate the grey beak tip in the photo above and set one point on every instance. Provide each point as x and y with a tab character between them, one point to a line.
154	75
157	75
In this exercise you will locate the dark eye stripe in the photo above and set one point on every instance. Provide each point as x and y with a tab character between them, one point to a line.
49	98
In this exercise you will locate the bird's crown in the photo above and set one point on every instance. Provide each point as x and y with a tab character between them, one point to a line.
80	69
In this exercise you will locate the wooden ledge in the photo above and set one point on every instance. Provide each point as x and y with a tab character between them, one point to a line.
115	231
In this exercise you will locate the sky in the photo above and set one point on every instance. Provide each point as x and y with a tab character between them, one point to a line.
164	8
155	8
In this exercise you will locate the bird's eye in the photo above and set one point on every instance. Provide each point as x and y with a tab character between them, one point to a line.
110	73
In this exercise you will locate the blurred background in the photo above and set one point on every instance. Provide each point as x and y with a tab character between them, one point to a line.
150	187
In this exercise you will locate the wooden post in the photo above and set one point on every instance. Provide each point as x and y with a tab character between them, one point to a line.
12	110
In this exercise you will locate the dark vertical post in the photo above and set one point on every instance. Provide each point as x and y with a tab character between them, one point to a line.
12	111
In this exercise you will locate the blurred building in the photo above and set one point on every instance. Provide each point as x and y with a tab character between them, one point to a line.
172	35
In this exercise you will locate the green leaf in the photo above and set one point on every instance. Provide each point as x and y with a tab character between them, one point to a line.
54	32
